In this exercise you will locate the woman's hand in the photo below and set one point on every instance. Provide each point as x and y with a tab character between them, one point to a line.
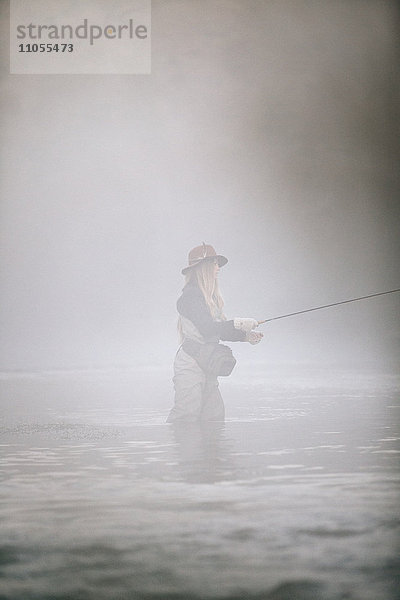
244	324
254	337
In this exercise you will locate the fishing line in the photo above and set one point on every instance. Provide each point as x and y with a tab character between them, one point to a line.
299	312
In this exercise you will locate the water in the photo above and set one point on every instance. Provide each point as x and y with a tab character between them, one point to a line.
295	497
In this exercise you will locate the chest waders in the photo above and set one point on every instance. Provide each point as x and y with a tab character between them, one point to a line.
197	397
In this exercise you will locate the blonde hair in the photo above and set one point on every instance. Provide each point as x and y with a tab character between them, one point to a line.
203	275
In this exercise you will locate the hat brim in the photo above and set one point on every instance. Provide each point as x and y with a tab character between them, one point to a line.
222	260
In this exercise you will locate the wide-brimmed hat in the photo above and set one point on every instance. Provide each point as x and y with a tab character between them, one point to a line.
200	253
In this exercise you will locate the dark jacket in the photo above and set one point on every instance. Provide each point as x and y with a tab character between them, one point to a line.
192	305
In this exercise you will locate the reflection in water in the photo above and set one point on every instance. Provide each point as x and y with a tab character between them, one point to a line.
202	450
295	496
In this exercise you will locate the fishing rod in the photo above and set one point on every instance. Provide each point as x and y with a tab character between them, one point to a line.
299	312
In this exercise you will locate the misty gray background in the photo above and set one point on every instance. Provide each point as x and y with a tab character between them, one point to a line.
267	128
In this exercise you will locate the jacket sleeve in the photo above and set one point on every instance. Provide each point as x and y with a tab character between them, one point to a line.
193	306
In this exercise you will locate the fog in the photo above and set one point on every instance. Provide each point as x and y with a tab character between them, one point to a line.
267	129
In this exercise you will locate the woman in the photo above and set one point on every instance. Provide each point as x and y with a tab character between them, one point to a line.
202	321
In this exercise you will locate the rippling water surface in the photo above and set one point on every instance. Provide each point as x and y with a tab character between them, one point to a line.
295	497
